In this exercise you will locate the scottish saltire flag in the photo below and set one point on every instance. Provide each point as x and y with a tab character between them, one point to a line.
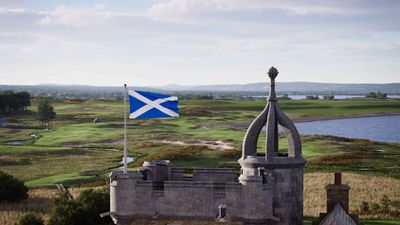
144	105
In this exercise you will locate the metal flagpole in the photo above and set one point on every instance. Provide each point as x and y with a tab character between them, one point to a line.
125	134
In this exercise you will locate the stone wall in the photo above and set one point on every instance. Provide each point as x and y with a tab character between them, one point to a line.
288	195
182	222
200	200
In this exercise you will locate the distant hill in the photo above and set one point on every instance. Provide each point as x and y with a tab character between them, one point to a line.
292	87
236	90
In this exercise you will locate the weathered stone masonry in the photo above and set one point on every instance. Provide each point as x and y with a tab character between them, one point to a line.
269	189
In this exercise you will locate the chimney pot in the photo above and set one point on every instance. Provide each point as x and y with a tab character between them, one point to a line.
338	178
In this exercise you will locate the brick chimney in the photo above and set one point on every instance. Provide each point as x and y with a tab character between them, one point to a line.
337	193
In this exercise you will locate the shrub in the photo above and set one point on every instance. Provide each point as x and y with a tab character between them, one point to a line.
230	153
12	189
312	97
284	97
395	204
375	206
376	95
186	152
329	97
364	207
385	202
30	219
85	209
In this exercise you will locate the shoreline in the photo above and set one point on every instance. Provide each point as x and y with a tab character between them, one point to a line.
321	118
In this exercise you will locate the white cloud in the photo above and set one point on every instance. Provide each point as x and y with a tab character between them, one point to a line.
14	10
8	3
68	16
184	10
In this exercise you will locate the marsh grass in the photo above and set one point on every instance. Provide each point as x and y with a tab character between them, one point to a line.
364	188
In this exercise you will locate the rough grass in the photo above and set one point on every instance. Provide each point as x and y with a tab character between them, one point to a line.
38	202
363	188
367	188
33	165
76	144
68	178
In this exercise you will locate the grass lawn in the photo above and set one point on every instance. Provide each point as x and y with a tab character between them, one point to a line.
68	178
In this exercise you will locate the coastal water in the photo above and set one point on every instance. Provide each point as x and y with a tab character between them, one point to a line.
301	97
378	128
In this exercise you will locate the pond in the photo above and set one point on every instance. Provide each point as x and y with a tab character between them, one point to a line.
15	143
377	128
129	159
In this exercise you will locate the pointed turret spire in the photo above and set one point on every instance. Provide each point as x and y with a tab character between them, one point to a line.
271	117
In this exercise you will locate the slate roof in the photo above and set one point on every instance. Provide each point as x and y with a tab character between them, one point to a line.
338	216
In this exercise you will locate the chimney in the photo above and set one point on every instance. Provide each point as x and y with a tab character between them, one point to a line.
337	193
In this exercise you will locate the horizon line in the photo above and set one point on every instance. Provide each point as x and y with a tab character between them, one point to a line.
191	85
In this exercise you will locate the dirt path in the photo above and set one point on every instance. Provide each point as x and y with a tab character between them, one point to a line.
218	145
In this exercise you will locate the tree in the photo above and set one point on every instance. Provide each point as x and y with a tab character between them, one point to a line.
30	219
85	209
46	113
376	95
284	97
24	100
12	189
329	97
11	102
312	97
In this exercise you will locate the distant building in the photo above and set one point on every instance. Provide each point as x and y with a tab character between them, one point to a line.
268	191
337	212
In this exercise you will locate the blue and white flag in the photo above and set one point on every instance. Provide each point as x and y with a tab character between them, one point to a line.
144	105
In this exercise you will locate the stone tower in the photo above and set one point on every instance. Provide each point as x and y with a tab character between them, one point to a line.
283	170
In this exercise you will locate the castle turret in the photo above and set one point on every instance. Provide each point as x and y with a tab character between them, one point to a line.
285	169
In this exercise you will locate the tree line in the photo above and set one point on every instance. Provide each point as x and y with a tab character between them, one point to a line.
12	102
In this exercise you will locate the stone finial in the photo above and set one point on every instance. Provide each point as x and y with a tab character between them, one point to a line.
273	73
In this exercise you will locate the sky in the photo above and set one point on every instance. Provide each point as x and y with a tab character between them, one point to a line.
197	42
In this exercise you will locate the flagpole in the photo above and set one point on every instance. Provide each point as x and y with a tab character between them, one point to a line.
125	134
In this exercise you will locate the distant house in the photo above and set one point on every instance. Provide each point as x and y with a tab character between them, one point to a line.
337	212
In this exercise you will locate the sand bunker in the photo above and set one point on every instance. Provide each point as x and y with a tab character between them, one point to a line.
219	145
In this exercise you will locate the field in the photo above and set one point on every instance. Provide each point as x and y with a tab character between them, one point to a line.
208	134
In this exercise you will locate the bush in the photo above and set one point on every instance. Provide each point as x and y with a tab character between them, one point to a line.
364	207
312	97
284	97
230	153
329	97
85	209
30	219
12	189
376	95
385	202
395	204
375	206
